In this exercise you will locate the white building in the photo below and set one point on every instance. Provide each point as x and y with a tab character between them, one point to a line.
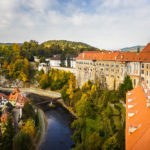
43	66
3	102
36	59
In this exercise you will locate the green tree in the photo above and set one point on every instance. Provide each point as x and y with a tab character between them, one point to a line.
22	141
8	134
125	87
28	111
62	59
95	142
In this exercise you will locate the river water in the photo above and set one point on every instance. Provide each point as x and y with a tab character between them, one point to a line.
58	135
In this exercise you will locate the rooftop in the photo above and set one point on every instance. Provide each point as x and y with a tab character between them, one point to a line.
143	56
138	123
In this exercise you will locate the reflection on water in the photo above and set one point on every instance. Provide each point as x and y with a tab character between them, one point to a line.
58	136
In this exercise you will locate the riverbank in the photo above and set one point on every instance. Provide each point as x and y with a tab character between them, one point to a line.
42	129
61	109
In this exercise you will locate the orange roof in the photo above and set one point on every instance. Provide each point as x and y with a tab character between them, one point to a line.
4	118
146	49
139	139
143	56
98	55
17	96
13	95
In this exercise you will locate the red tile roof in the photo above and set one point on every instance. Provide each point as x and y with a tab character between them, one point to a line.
3	95
17	96
139	139
4	118
143	56
146	49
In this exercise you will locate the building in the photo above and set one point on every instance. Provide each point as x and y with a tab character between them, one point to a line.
3	100
36	59
137	118
44	66
55	60
16	98
113	66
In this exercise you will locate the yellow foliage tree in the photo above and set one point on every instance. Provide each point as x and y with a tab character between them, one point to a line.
29	127
72	86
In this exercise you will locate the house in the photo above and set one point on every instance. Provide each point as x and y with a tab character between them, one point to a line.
55	60
3	100
16	98
137	131
43	66
36	59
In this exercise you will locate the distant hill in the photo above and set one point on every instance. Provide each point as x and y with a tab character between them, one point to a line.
132	49
9	43
64	43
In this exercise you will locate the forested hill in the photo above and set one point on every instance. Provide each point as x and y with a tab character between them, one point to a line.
63	44
9	43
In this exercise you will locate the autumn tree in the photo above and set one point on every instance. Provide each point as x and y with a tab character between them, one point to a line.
29	127
22	141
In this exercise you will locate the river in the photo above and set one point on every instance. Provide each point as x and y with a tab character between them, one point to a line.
58	135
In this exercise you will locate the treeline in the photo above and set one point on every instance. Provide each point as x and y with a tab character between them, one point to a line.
54	80
23	139
15	58
101	117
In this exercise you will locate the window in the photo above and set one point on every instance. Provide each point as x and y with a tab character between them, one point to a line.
112	76
142	71
142	65
117	65
112	65
147	66
147	73
107	64
112	70
107	69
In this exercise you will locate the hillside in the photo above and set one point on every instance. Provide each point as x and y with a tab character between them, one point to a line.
65	44
9	43
132	49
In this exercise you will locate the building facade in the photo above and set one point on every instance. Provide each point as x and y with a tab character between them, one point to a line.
113	66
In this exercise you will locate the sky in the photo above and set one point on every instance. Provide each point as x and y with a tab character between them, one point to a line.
105	24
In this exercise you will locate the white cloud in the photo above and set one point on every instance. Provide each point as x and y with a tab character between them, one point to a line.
113	23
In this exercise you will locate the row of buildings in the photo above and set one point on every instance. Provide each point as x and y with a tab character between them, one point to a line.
7	103
114	66
55	63
56	60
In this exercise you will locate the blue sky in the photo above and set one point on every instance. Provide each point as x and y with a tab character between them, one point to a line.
108	24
